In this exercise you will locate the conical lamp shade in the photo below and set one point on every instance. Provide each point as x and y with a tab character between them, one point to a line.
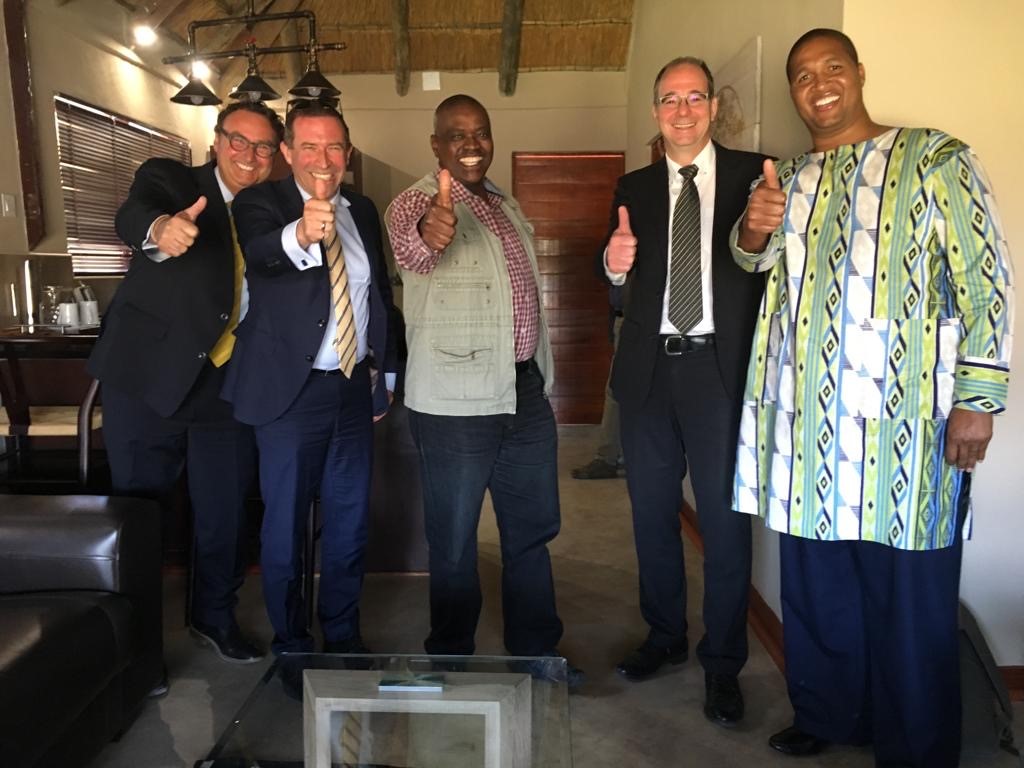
254	88
313	85
195	94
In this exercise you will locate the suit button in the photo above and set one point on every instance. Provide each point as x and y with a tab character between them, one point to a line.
201	355
321	323
224	316
309	358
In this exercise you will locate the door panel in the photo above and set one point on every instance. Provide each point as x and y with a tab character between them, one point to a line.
567	197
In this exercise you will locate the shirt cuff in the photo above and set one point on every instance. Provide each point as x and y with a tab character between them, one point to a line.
389	380
302	258
615	278
149	246
981	387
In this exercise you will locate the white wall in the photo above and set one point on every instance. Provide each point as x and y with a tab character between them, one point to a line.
964	76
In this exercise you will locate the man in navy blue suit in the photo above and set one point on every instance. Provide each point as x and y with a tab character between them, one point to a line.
312	410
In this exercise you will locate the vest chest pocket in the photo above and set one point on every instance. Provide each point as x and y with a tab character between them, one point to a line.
463	372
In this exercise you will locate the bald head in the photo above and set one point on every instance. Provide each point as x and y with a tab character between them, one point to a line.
457	101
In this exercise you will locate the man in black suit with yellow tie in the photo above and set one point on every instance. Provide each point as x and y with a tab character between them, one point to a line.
304	372
678	375
161	356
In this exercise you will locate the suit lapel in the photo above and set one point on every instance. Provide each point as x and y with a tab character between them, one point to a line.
725	189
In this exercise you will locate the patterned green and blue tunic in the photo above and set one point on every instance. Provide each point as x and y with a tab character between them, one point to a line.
888	302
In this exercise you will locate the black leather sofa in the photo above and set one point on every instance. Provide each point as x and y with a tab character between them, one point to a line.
80	623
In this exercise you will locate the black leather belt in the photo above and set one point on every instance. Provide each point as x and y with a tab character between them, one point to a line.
677	345
325	372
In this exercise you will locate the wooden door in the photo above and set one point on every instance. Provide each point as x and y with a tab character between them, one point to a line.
568	197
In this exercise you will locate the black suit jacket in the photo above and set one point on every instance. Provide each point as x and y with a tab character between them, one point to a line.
278	340
166	316
736	294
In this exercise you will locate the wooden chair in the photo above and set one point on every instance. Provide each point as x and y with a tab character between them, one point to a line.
46	398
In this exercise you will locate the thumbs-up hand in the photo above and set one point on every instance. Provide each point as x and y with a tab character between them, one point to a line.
437	227
621	251
765	211
175	234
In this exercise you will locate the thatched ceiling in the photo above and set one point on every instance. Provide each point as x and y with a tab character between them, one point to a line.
396	36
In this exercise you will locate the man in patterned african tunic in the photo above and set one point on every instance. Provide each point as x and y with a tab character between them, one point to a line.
881	353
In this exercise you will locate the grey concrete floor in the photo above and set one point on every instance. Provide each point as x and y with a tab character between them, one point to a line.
615	723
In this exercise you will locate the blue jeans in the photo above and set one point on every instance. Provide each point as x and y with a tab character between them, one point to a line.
514	456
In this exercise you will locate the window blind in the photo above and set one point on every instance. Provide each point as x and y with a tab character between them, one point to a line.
98	153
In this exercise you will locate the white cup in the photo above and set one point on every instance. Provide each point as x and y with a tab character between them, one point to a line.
67	313
89	312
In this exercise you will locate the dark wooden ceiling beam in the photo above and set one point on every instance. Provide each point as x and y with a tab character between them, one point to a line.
400	32
511	39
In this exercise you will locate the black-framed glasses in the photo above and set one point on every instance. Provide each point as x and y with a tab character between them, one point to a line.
694	99
239	143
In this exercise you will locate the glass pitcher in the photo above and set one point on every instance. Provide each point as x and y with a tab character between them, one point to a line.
49	304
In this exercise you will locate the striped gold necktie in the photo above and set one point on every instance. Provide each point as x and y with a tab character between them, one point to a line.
345	338
685	295
225	345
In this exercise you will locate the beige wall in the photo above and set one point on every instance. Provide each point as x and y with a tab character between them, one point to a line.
964	77
68	57
12	230
550	112
715	30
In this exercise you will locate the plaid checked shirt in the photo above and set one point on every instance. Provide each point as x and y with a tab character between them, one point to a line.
413	254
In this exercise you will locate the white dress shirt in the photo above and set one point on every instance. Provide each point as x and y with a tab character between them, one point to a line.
705	183
357	265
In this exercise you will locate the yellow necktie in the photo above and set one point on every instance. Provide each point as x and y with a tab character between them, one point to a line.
221	351
345	338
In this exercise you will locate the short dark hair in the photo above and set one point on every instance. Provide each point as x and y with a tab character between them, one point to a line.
680	61
814	34
311	108
458	100
257	108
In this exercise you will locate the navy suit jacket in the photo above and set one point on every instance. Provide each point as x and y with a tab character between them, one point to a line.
289	308
166	316
736	294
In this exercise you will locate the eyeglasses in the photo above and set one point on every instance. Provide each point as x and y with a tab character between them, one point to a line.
694	99
239	143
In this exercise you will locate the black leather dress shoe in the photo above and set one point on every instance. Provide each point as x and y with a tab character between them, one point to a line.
229	643
647	659
793	741
723	704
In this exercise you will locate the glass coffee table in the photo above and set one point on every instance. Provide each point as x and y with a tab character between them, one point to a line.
401	711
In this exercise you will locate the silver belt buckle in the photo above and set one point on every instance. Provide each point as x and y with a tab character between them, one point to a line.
676	342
